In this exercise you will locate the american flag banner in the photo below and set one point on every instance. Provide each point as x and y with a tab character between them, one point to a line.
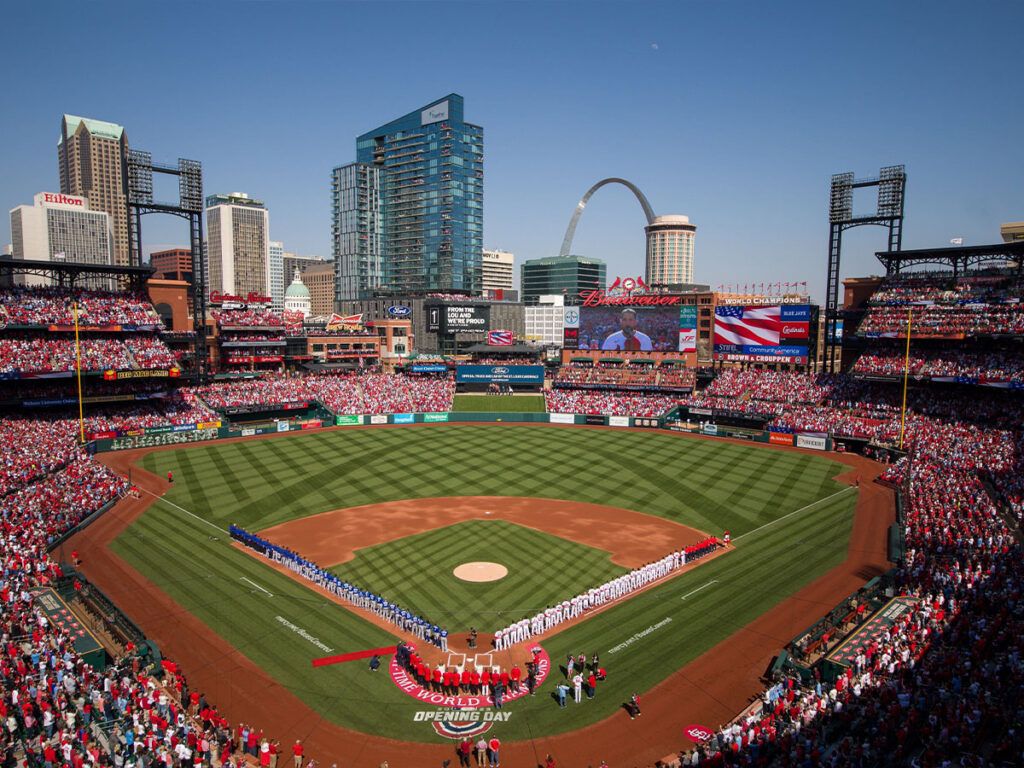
500	338
748	325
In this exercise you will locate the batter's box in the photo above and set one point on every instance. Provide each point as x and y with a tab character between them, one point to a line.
457	660
487	663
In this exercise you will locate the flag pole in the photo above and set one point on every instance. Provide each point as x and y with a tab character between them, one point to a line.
78	373
906	376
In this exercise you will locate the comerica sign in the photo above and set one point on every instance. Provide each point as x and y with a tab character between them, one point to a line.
602	299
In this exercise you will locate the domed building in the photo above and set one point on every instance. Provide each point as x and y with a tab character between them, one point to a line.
296	298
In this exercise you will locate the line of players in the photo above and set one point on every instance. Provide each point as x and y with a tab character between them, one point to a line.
491	682
361	598
610	591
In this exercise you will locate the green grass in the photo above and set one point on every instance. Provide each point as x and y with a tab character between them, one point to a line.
703	483
417	571
500	403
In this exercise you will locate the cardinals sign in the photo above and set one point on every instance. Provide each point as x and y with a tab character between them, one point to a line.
352	323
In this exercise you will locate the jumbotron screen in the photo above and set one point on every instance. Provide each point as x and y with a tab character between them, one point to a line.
762	333
630	329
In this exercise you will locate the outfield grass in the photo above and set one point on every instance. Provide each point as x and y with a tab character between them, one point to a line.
499	403
417	570
707	484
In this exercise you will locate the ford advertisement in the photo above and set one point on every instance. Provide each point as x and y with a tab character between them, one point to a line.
499	374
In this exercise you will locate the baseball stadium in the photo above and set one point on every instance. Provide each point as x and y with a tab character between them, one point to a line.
618	557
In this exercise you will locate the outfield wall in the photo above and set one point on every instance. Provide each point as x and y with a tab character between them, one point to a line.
192	433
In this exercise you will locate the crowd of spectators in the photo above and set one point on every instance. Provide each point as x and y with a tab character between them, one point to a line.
985	366
247	318
53	306
608	403
367	392
623	376
771	386
28	353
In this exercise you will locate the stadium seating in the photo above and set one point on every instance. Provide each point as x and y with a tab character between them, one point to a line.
607	403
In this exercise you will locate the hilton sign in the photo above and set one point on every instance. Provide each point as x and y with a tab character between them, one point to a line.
62	199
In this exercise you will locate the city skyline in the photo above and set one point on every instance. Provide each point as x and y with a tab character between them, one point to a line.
738	124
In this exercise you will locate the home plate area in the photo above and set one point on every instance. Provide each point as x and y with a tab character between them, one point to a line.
467	680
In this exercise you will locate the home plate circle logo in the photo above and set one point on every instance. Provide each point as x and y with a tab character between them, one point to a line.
471	696
460	730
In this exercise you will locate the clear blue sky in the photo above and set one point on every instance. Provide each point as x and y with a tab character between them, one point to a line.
735	114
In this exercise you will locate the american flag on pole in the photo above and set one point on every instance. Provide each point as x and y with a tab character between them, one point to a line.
748	325
500	338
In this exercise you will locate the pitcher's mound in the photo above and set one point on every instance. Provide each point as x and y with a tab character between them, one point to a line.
480	572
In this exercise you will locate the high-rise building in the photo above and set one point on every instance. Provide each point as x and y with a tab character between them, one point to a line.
275	252
1012	231
357	225
497	270
562	276
237	228
670	250
319	279
60	227
91	158
431	191
172	264
293	261
545	321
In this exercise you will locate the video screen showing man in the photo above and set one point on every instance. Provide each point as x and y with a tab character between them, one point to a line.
628	338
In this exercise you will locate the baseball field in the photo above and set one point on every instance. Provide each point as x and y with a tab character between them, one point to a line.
430	498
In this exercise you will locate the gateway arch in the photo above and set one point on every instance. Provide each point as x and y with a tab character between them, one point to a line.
571	231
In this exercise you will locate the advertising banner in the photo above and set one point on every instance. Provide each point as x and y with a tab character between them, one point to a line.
434	418
710	429
815	442
502	374
379	418
312	424
348	419
282	426
688	328
594	418
618	421
429	368
648	423
167	438
780	438
404	418
561	418
249	432
571	317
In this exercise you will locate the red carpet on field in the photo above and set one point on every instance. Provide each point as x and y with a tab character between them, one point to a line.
323	661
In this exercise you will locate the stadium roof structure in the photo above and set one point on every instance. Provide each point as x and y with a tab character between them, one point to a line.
69	273
959	258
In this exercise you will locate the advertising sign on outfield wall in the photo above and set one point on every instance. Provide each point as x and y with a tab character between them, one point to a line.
404	418
348	419
248	432
379	418
780	438
433	418
815	442
562	418
282	426
618	421
710	429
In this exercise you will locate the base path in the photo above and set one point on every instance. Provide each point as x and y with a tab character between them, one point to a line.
711	689
632	538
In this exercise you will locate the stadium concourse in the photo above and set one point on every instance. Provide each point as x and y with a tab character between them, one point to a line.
943	686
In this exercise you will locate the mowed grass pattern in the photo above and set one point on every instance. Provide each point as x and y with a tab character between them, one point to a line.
704	483
499	403
417	571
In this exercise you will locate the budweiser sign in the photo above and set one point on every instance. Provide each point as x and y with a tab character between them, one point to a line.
602	299
216	297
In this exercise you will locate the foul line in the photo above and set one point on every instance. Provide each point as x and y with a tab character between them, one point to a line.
794	512
261	589
197	517
698	589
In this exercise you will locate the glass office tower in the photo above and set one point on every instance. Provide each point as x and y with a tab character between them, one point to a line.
431	199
